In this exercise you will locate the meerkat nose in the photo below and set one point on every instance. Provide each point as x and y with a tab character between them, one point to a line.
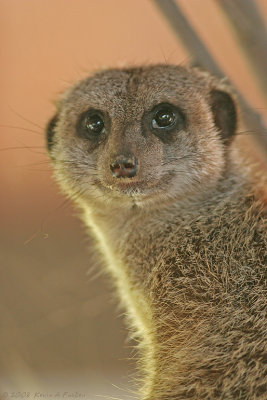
124	167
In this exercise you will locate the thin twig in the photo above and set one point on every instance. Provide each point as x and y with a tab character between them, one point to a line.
251	32
203	59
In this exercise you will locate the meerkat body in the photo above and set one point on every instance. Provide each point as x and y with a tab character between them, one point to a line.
148	155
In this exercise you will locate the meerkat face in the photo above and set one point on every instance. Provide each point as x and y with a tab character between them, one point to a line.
141	134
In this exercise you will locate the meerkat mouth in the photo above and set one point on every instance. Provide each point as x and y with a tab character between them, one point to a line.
135	188
129	185
138	188
125	188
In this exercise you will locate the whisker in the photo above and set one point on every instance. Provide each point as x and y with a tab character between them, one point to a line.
30	148
44	221
42	162
249	132
21	147
21	128
175	159
25	119
45	171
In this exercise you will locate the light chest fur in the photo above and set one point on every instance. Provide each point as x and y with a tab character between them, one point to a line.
196	292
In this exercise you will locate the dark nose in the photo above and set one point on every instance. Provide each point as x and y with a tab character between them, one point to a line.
124	167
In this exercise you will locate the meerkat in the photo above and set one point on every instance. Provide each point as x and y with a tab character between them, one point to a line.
149	156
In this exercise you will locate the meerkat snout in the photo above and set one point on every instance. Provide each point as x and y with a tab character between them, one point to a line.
124	167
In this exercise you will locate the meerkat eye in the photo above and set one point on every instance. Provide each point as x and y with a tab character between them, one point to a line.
91	124
163	118
167	117
94	124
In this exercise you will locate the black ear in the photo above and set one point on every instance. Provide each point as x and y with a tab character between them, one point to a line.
224	113
50	132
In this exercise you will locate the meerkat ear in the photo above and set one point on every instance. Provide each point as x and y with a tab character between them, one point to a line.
50	132
224	113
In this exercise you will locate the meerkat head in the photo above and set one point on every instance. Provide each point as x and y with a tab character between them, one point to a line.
141	134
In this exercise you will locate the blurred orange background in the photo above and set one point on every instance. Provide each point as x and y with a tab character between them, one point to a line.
60	328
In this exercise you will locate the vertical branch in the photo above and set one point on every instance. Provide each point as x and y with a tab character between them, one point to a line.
186	34
251	32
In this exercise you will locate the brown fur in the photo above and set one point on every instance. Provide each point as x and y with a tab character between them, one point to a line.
185	240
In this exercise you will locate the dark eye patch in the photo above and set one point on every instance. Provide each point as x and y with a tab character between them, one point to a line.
164	120
93	125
